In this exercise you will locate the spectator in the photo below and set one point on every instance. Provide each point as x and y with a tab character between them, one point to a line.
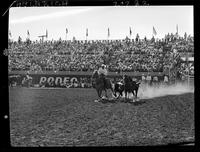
166	80
148	79
155	80
84	56
143	78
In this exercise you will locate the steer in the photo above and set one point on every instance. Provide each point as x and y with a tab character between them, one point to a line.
118	88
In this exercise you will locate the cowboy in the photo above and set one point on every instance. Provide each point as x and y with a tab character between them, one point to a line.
143	78
148	79
166	79
155	80
28	75
27	79
103	73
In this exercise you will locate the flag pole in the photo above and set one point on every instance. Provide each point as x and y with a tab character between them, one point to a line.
46	34
66	30
86	33
107	37
28	35
108	33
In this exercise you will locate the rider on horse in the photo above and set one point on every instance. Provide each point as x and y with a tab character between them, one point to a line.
100	82
27	75
102	71
27	79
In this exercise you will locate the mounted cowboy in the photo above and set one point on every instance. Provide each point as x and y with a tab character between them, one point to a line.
27	79
100	82
102	71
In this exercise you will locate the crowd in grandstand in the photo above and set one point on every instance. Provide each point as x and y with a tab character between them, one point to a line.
129	55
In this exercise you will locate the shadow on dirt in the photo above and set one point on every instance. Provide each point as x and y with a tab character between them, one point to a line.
166	96
122	100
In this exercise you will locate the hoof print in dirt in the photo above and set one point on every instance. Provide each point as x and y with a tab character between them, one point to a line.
106	100
138	102
133	101
128	100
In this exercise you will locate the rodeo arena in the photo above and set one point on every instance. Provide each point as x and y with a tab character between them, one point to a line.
123	92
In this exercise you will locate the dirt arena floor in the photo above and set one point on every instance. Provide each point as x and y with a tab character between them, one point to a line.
70	117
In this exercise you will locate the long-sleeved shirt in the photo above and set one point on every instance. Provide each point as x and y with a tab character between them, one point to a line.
102	71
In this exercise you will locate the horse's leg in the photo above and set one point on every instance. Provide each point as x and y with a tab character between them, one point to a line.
120	94
115	94
133	94
136	92
125	95
29	83
98	92
112	89
106	93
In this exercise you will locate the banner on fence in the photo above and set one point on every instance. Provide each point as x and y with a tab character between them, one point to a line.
73	80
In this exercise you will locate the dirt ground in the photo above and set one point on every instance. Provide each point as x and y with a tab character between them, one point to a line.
70	117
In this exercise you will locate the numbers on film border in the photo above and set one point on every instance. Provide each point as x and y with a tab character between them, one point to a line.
130	2
43	3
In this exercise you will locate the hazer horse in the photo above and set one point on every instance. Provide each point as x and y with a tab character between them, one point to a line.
27	81
130	86
98	84
13	79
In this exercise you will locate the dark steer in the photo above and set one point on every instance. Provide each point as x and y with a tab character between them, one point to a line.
118	88
130	86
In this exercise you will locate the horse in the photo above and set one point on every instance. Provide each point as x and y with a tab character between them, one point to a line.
13	79
27	82
98	84
130	86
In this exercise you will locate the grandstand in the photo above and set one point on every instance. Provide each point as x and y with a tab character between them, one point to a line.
130	56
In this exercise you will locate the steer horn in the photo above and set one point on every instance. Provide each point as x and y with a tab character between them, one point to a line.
138	82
